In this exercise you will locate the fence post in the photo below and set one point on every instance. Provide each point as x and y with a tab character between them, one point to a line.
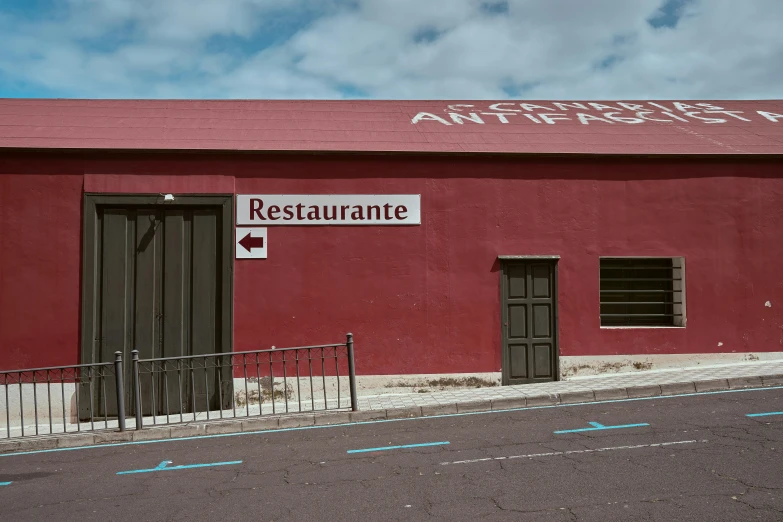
351	372
136	388
118	379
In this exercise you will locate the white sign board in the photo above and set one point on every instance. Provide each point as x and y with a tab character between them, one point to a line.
251	243
329	209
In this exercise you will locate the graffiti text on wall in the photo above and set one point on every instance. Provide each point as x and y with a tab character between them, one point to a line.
588	113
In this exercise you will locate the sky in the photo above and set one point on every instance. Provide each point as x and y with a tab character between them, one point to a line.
392	49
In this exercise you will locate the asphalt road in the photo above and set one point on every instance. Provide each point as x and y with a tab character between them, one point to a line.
698	458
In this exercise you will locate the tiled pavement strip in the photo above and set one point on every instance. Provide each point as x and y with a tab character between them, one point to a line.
392	406
602	387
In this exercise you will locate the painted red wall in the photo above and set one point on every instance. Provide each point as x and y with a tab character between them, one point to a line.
40	263
423	299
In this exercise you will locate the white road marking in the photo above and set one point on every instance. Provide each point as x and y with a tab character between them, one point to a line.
572	452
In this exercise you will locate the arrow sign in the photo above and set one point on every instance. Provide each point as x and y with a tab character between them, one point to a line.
251	243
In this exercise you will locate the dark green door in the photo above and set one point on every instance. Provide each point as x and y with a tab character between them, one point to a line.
529	318
158	288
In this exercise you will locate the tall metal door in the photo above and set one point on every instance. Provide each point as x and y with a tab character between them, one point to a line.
157	290
529	319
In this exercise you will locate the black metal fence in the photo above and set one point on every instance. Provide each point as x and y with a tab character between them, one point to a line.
81	396
179	389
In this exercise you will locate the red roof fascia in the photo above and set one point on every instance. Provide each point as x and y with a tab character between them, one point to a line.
486	126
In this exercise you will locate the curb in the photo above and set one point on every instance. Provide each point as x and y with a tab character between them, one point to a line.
267	423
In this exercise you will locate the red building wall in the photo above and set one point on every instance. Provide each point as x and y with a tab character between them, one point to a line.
422	299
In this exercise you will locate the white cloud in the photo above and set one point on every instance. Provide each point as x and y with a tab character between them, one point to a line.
552	49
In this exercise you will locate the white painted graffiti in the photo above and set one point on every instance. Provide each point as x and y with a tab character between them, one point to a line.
587	113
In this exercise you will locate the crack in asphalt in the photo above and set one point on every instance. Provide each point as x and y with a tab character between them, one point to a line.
300	475
746	484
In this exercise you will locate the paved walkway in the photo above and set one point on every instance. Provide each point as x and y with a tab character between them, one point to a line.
399	405
749	373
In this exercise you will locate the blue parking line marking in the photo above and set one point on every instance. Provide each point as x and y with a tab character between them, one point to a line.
384	448
384	421
598	427
764	414
6	483
164	466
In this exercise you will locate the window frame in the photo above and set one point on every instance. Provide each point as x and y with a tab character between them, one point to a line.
672	284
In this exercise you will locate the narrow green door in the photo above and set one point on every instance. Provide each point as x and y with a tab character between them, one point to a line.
529	315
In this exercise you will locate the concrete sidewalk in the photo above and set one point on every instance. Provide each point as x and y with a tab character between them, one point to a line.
392	406
598	387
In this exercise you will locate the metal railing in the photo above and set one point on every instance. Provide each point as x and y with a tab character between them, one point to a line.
78	395
244	384
179	389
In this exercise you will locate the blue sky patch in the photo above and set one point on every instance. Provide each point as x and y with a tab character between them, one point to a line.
609	61
669	14
426	35
352	91
30	9
518	90
11	87
387	49
495	8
